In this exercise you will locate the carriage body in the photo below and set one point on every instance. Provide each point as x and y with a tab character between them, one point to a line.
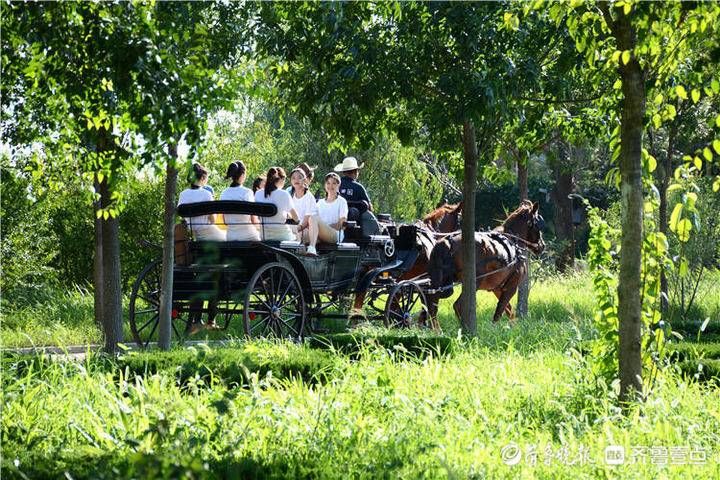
268	282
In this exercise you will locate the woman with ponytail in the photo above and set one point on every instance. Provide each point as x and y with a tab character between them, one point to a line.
275	227
239	227
306	208
202	227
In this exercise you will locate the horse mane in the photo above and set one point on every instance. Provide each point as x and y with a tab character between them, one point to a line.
437	213
525	207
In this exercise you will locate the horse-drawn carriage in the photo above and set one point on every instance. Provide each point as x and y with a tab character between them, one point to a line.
273	287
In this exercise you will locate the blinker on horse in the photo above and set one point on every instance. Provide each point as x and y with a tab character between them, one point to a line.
499	260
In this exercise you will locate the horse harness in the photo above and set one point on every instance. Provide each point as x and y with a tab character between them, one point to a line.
516	253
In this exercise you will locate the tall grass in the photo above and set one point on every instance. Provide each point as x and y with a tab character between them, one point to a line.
377	417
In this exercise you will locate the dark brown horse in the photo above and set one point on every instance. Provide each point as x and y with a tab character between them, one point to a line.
442	221
445	218
499	256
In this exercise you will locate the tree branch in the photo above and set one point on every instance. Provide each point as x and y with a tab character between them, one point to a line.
565	100
605	10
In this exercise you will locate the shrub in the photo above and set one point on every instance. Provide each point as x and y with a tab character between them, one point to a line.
235	365
419	344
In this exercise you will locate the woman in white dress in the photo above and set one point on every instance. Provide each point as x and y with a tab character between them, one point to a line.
202	227
275	227
239	227
332	211
306	208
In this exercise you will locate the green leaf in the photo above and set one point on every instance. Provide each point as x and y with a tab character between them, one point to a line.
698	163
716	145
675	216
695	95
657	120
684	268
652	163
707	153
681	93
716	184
618	85
626	57
659	99
684	227
715	85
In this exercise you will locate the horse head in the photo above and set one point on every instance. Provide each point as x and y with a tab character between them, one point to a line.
450	222
527	224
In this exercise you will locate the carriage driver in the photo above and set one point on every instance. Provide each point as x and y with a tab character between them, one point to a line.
360	206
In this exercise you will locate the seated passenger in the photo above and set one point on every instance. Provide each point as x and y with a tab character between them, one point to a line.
275	227
258	184
309	176
357	197
333	211
306	208
202	227
239	227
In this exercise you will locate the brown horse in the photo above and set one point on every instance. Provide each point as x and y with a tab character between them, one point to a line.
445	218
439	223
499	256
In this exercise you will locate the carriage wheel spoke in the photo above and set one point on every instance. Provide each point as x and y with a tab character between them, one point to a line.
296	297
263	302
294	332
152	319
414	302
151	333
284	294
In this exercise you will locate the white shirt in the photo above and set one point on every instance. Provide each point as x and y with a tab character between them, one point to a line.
282	200
195	195
305	206
332	212
237	193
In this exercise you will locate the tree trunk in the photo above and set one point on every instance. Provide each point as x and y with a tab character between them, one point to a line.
629	294
111	286
563	207
168	258
524	287
98	260
470	157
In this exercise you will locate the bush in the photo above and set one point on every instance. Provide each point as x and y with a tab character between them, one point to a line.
234	365
419	344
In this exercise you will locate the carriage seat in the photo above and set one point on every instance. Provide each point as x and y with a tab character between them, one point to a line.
337	247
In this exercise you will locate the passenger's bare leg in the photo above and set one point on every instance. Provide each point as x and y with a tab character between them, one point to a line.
312	230
326	233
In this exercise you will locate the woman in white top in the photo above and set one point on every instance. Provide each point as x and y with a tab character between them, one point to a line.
239	227
306	208
202	227
275	228
333	211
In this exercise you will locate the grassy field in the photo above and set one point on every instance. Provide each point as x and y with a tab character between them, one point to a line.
516	402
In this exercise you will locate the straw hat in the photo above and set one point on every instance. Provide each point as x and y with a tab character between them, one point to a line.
348	163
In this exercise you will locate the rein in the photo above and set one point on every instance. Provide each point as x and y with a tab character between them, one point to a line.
531	245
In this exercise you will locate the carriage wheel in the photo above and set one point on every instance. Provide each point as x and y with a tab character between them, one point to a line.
144	314
406	306
274	304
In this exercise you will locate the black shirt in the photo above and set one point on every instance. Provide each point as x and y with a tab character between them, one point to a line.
352	191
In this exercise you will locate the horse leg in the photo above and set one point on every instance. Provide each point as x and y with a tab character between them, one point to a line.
428	317
457	306
503	305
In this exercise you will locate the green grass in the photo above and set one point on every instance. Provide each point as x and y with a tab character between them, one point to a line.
437	417
370	403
